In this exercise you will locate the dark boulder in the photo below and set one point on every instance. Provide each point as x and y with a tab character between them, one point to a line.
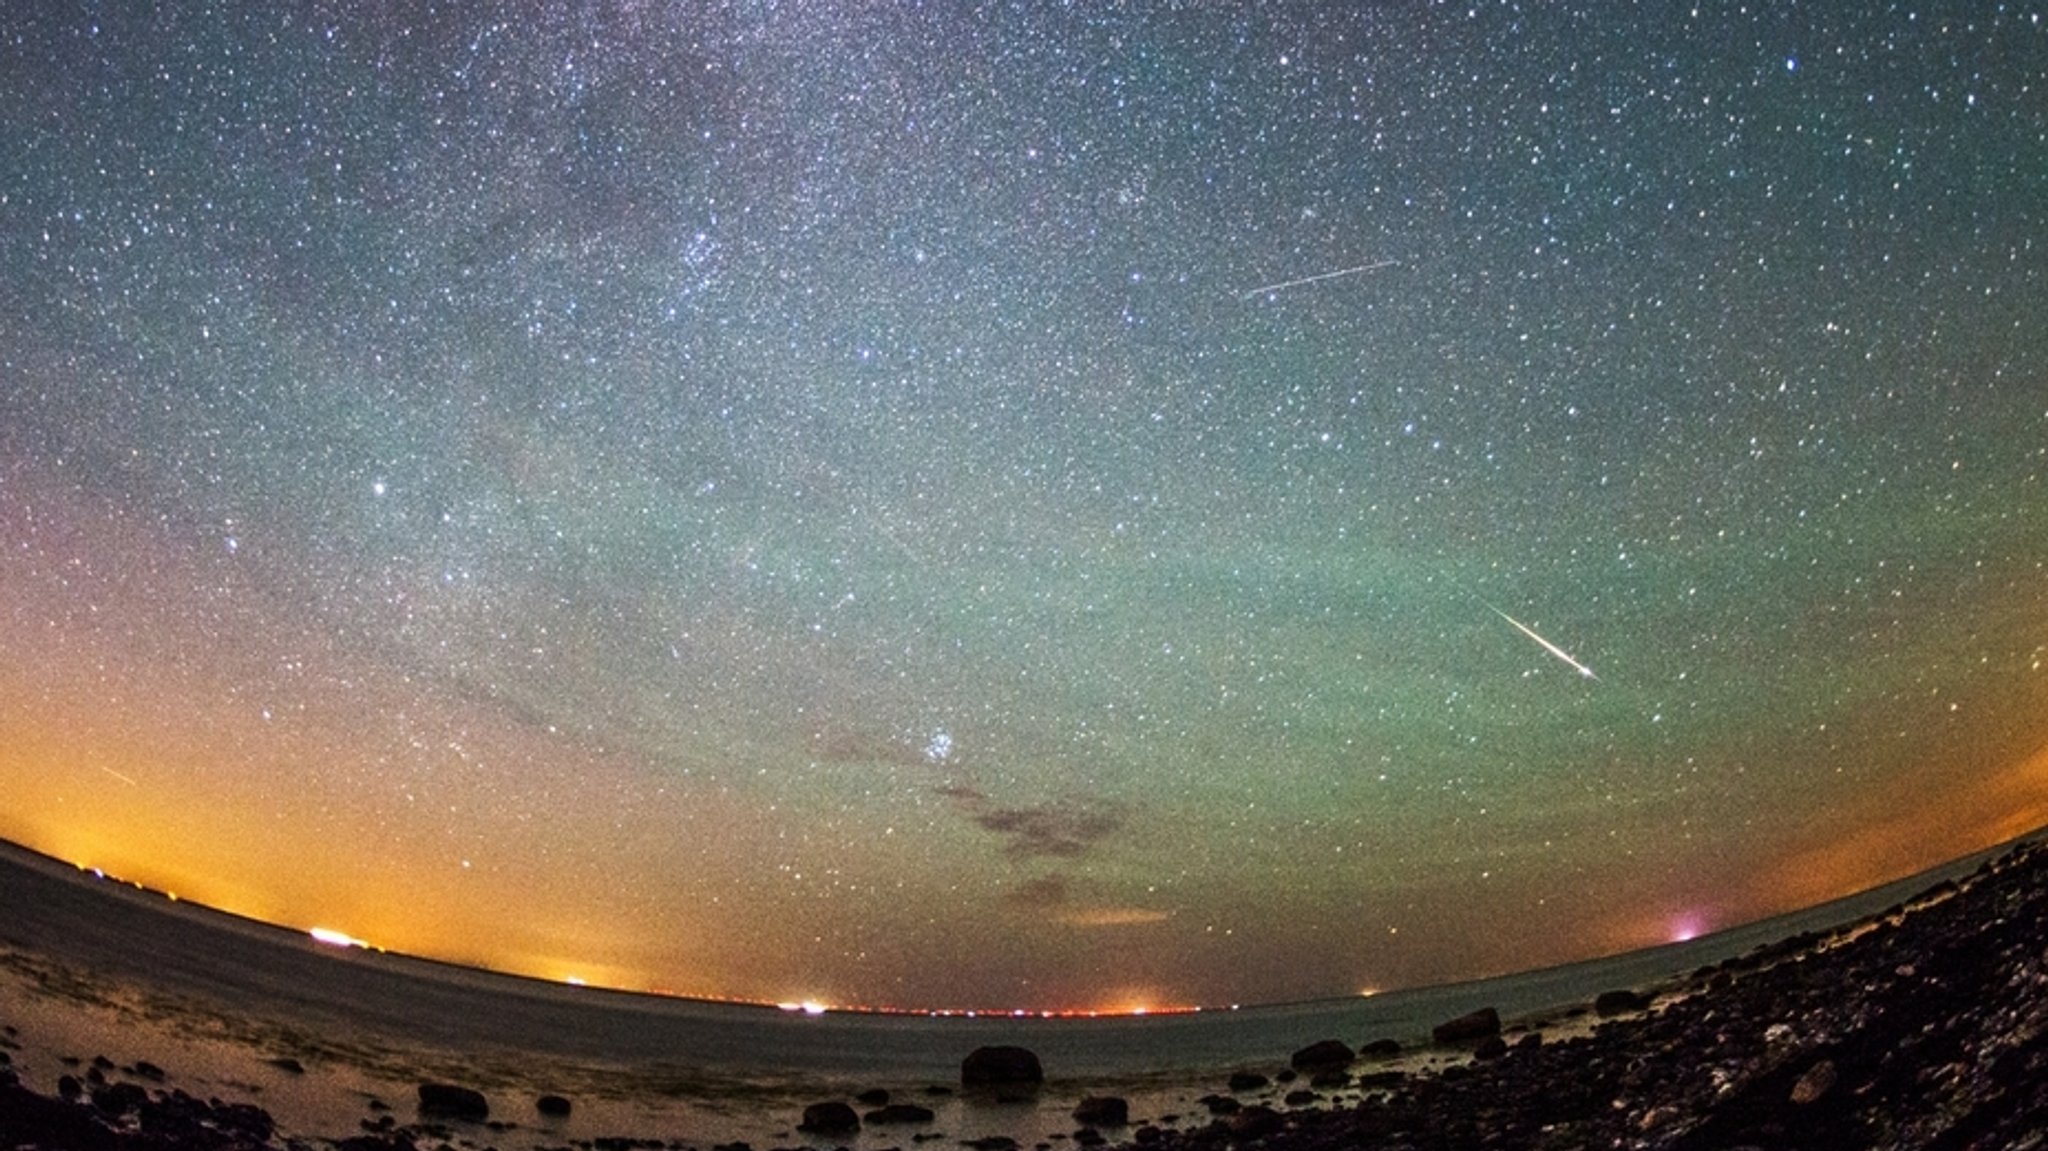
553	1106
1103	1111
1001	1067
1620	1001
1323	1056
832	1118
1468	1027
447	1101
119	1098
1380	1049
1257	1122
891	1114
288	1065
1247	1081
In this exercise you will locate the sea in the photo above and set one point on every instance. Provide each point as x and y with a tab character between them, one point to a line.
335	1040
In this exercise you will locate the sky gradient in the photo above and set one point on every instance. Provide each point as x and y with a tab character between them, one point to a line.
898	507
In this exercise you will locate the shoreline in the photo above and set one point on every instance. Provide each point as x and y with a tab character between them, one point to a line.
332	1043
437	1000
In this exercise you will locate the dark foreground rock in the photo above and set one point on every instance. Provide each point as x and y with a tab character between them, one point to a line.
894	1114
1322	1055
1481	1024
1001	1067
830	1118
554	1106
1103	1111
447	1101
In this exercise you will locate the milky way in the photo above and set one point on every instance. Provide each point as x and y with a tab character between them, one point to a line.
1003	507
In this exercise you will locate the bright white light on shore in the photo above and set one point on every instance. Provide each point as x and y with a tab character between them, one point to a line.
573	980
806	1007
334	938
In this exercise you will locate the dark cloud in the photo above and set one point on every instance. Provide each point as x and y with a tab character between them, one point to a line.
1060	831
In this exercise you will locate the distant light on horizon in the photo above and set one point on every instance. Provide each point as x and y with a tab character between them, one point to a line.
333	938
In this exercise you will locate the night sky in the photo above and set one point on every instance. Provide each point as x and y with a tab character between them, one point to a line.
1016	506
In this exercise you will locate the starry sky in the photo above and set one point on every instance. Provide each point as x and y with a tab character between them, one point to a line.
1016	505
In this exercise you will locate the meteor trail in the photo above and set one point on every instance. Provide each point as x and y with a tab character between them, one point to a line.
1250	292
1548	646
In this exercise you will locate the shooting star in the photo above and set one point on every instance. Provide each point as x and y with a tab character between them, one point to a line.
1548	646
119	776
1285	284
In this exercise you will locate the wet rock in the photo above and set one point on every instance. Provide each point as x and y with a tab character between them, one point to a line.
389	1141
1491	1047
144	1069
119	1098
553	1106
830	1118
893	1114
1001	1067
873	1097
1620	1001
1247	1081
448	1101
1322	1055
1815	1083
1380	1049
1469	1027
288	1065
244	1119
1103	1111
1257	1122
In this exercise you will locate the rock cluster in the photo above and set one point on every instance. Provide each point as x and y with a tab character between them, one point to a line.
1924	1027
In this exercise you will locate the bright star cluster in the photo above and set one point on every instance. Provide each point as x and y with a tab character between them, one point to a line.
1021	507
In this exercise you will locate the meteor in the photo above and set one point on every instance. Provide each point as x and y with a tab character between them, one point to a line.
1548	646
1248	293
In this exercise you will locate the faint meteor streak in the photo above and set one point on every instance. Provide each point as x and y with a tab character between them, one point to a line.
119	776
1548	646
1248	293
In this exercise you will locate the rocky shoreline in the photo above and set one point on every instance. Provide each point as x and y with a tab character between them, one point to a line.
1925	1026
